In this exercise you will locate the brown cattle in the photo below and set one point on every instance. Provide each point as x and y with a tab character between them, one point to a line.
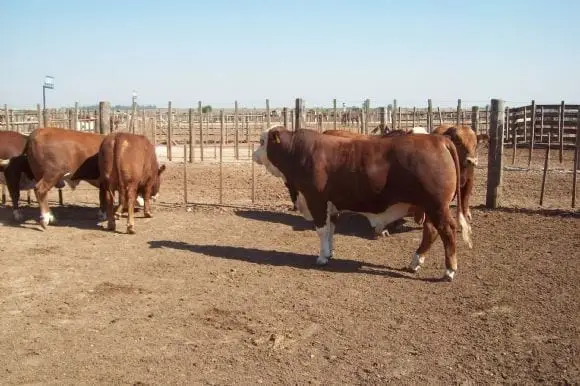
378	177
15	172
128	164
466	141
54	155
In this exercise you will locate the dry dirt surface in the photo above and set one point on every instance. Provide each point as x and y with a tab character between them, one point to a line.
230	295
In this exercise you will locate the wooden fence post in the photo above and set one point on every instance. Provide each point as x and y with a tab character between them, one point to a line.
429	115
561	133
475	118
546	163
440	115
39	115
532	133
268	114
69	113
191	137
221	157
576	160
169	131
76	116
394	116
185	173
253	178
298	114
514	127
104	117
382	120
495	155
334	113
248	136
285	117
236	132
200	112
458	121
6	117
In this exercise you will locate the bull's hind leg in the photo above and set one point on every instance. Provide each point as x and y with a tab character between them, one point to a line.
110	203
429	237
131	194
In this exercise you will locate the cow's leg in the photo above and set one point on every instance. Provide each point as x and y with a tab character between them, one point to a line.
429	236
447	228
41	191
15	197
466	192
122	207
147	202
293	194
110	204
131	194
103	213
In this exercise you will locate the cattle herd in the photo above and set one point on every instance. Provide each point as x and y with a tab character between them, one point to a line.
383	177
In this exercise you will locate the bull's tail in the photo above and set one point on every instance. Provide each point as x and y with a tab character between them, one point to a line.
465	227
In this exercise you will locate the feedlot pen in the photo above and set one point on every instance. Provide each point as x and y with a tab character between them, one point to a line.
229	294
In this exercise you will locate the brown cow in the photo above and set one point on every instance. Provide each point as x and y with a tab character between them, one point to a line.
128	164
54	156
377	177
16	173
466	141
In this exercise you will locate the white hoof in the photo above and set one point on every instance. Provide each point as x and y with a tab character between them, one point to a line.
416	262
449	274
46	219
321	260
17	214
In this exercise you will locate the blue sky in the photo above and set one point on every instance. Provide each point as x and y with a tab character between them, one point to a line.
220	51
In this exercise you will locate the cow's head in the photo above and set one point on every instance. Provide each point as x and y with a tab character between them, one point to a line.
269	143
157	183
466	142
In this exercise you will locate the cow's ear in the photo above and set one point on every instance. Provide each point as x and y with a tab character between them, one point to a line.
276	136
161	170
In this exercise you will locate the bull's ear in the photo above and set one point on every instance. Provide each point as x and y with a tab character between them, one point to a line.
161	170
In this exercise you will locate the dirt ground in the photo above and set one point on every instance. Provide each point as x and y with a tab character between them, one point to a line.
229	294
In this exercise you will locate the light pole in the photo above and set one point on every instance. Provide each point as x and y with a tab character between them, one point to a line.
48	83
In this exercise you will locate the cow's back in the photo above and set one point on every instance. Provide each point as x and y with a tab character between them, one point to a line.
12	144
58	151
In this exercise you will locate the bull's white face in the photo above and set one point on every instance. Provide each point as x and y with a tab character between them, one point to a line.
260	156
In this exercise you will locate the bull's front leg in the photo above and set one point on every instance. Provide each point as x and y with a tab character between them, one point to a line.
324	230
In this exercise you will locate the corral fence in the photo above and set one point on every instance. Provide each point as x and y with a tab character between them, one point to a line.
228	136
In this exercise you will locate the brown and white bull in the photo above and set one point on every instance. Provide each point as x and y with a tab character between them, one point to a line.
128	164
378	177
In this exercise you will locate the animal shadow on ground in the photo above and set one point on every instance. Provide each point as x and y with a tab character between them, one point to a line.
288	259
349	224
73	216
548	212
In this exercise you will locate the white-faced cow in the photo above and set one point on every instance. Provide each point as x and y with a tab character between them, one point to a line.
378	177
128	164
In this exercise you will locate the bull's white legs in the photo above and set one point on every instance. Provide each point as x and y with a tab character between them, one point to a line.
416	262
325	245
